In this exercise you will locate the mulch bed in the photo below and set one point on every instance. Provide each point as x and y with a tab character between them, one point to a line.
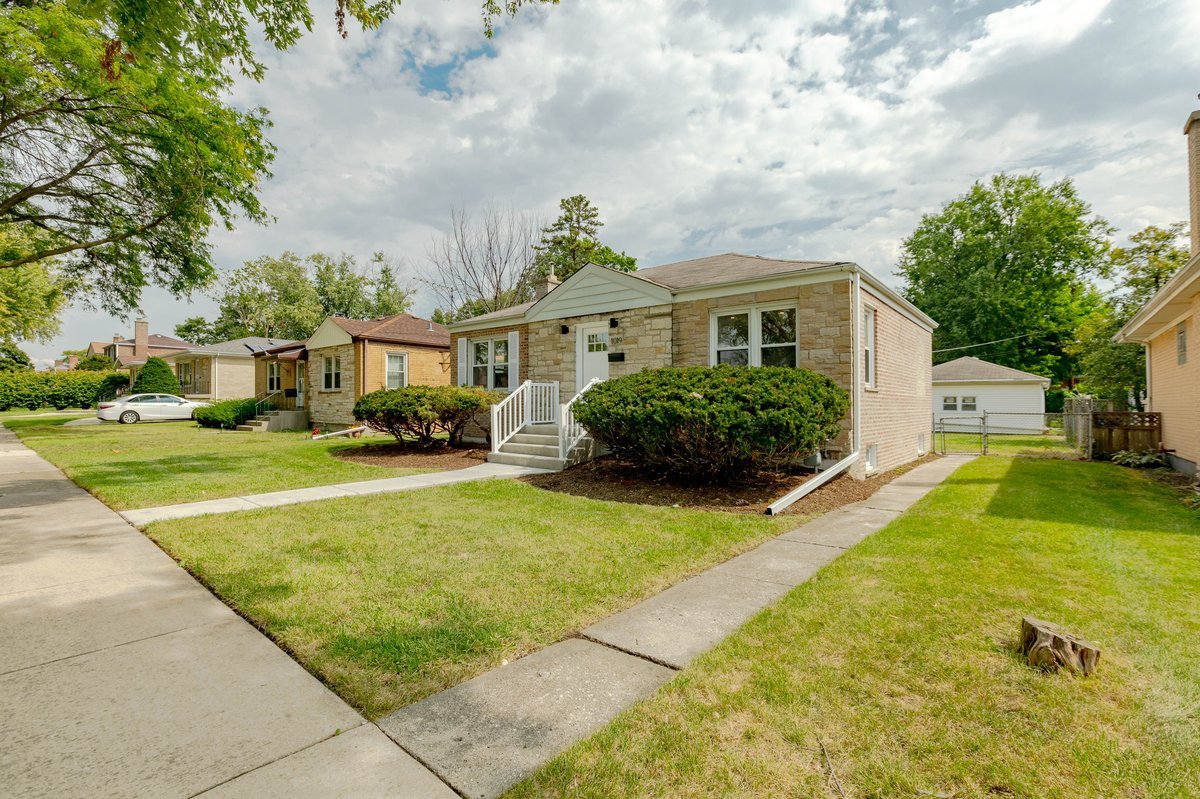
617	481
400	456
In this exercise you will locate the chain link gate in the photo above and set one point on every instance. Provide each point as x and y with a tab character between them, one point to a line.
1039	435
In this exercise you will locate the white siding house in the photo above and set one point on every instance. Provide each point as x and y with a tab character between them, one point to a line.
966	388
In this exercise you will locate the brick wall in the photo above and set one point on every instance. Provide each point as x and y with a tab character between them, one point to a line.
498	332
1174	388
427	366
333	408
235	378
897	411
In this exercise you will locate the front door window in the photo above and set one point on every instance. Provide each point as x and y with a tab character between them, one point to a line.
593	355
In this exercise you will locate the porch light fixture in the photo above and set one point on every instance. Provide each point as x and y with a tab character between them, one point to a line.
564	329
612	322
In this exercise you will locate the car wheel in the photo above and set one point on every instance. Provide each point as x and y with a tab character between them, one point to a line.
129	417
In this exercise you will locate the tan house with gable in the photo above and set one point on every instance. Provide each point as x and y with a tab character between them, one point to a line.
346	358
1168	326
829	316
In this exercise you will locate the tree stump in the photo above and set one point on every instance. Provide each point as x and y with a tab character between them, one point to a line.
1050	647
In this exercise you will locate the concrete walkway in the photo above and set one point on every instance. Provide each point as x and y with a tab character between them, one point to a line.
484	471
121	676
486	734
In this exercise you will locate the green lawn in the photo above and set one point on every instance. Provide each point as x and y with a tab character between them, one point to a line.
163	463
900	659
1049	445
390	598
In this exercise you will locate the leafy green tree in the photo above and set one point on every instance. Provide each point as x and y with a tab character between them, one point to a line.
156	377
1114	371
96	363
269	296
342	289
1008	262
32	298
387	296
197	330
569	243
13	358
117	173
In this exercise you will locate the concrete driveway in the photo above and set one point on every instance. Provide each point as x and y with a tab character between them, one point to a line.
121	676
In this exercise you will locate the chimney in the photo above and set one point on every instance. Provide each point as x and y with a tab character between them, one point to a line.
1192	131
72	361
550	282
117	338
141	339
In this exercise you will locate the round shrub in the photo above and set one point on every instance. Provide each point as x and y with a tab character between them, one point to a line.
421	412
712	424
156	377
226	414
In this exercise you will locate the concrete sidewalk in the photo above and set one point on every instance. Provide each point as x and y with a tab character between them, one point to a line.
488	733
121	676
484	471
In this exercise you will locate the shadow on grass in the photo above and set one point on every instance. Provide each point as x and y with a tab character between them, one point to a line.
1099	495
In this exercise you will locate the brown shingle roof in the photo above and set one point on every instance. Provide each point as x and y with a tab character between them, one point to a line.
724	268
969	368
401	329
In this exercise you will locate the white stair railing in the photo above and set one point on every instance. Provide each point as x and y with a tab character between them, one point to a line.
529	403
570	432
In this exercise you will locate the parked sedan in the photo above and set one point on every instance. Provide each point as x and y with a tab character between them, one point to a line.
146	408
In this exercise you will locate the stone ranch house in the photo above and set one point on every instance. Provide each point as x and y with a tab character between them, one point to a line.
346	358
832	317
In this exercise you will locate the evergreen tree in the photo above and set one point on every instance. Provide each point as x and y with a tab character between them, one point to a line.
569	243
156	377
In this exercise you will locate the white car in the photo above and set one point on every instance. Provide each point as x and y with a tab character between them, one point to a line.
147	408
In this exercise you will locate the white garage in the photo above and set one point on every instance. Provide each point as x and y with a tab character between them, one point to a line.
966	388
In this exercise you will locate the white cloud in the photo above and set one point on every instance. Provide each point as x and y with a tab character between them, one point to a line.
784	128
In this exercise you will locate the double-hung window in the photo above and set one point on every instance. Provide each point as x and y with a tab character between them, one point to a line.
184	371
397	370
949	403
755	337
274	380
333	372
968	404
489	363
869	347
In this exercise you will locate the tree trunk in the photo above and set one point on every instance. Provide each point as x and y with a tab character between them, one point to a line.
1048	646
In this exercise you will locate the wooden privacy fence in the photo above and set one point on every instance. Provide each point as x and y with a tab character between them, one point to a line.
1133	431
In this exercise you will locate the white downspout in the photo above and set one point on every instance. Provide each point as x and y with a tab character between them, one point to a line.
856	381
1146	350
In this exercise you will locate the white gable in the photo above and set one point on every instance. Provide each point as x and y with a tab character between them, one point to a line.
328	334
596	290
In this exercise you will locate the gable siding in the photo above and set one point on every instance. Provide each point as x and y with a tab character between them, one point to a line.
598	292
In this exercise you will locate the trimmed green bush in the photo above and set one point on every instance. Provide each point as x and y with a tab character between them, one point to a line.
156	377
420	412
711	424
33	390
226	414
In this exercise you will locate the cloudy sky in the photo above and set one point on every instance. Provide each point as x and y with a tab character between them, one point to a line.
820	129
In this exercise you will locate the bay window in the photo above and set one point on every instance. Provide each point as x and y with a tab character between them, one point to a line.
755	337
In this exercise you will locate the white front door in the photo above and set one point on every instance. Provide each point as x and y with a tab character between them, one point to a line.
299	384
591	352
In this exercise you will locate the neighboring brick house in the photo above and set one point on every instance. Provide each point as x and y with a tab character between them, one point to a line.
829	316
346	358
220	371
130	354
1169	327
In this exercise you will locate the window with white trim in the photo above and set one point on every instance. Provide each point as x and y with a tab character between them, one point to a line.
872	457
949	403
274	376
869	347
968	403
755	337
1181	343
489	363
333	372
397	369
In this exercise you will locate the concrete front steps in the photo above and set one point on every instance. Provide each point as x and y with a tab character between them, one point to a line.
274	421
536	446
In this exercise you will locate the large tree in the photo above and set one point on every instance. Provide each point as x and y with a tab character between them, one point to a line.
118	174
1007	266
31	300
570	242
1118	371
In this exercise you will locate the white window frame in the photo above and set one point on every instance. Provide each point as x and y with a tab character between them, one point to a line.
755	312
331	378
962	403
1181	342
869	359
387	369
491	342
952	402
274	376
872	458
